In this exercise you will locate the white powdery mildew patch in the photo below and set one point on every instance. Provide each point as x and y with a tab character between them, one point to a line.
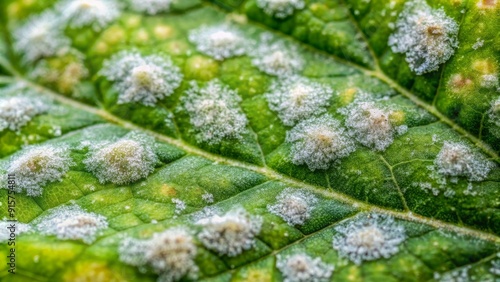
15	112
141	79
319	142
460	275
495	266
150	7
71	223
293	206
220	41
295	98
214	112
303	268
276	58
124	161
208	198
280	8
170	254
457	159
427	36
368	237
41	36
37	166
180	205
370	125
230	234
490	81
6	229
494	117
95	13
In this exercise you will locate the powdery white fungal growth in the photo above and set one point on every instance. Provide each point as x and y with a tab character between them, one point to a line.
494	115
95	13
368	238
40	36
457	159
150	7
428	37
280	8
230	234
276	58
495	267
180	205
141	79
370	125
293	206
208	198
170	254
489	81
123	161
214	112
38	166
319	142
303	268
9	229
16	112
71	223
219	41
296	98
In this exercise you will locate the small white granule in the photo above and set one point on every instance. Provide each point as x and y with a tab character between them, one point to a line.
276	58
318	142
280	8
457	159
427	36
495	267
303	268
230	234
370	125
180	205
124	161
214	112
150	7
479	43
494	116
95	13
141	79
296	98
7	228
38	166
368	237
40	36
170	254
16	112
293	206
208	198
219	42
71	223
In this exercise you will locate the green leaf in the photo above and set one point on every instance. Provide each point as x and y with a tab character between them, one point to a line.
328	140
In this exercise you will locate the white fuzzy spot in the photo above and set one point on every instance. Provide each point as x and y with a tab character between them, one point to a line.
495	267
6	229
459	275
124	161
457	159
368	238
494	115
319	142
428	37
489	80
15	112
141	79
219	41
280	8
207	198
71	223
38	166
179	205
293	206
214	112
276	58
95	13
303	268
296	98
370	125
41	36
231	233
151	7
170	254
479	43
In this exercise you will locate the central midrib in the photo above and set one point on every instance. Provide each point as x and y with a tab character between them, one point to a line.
266	171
